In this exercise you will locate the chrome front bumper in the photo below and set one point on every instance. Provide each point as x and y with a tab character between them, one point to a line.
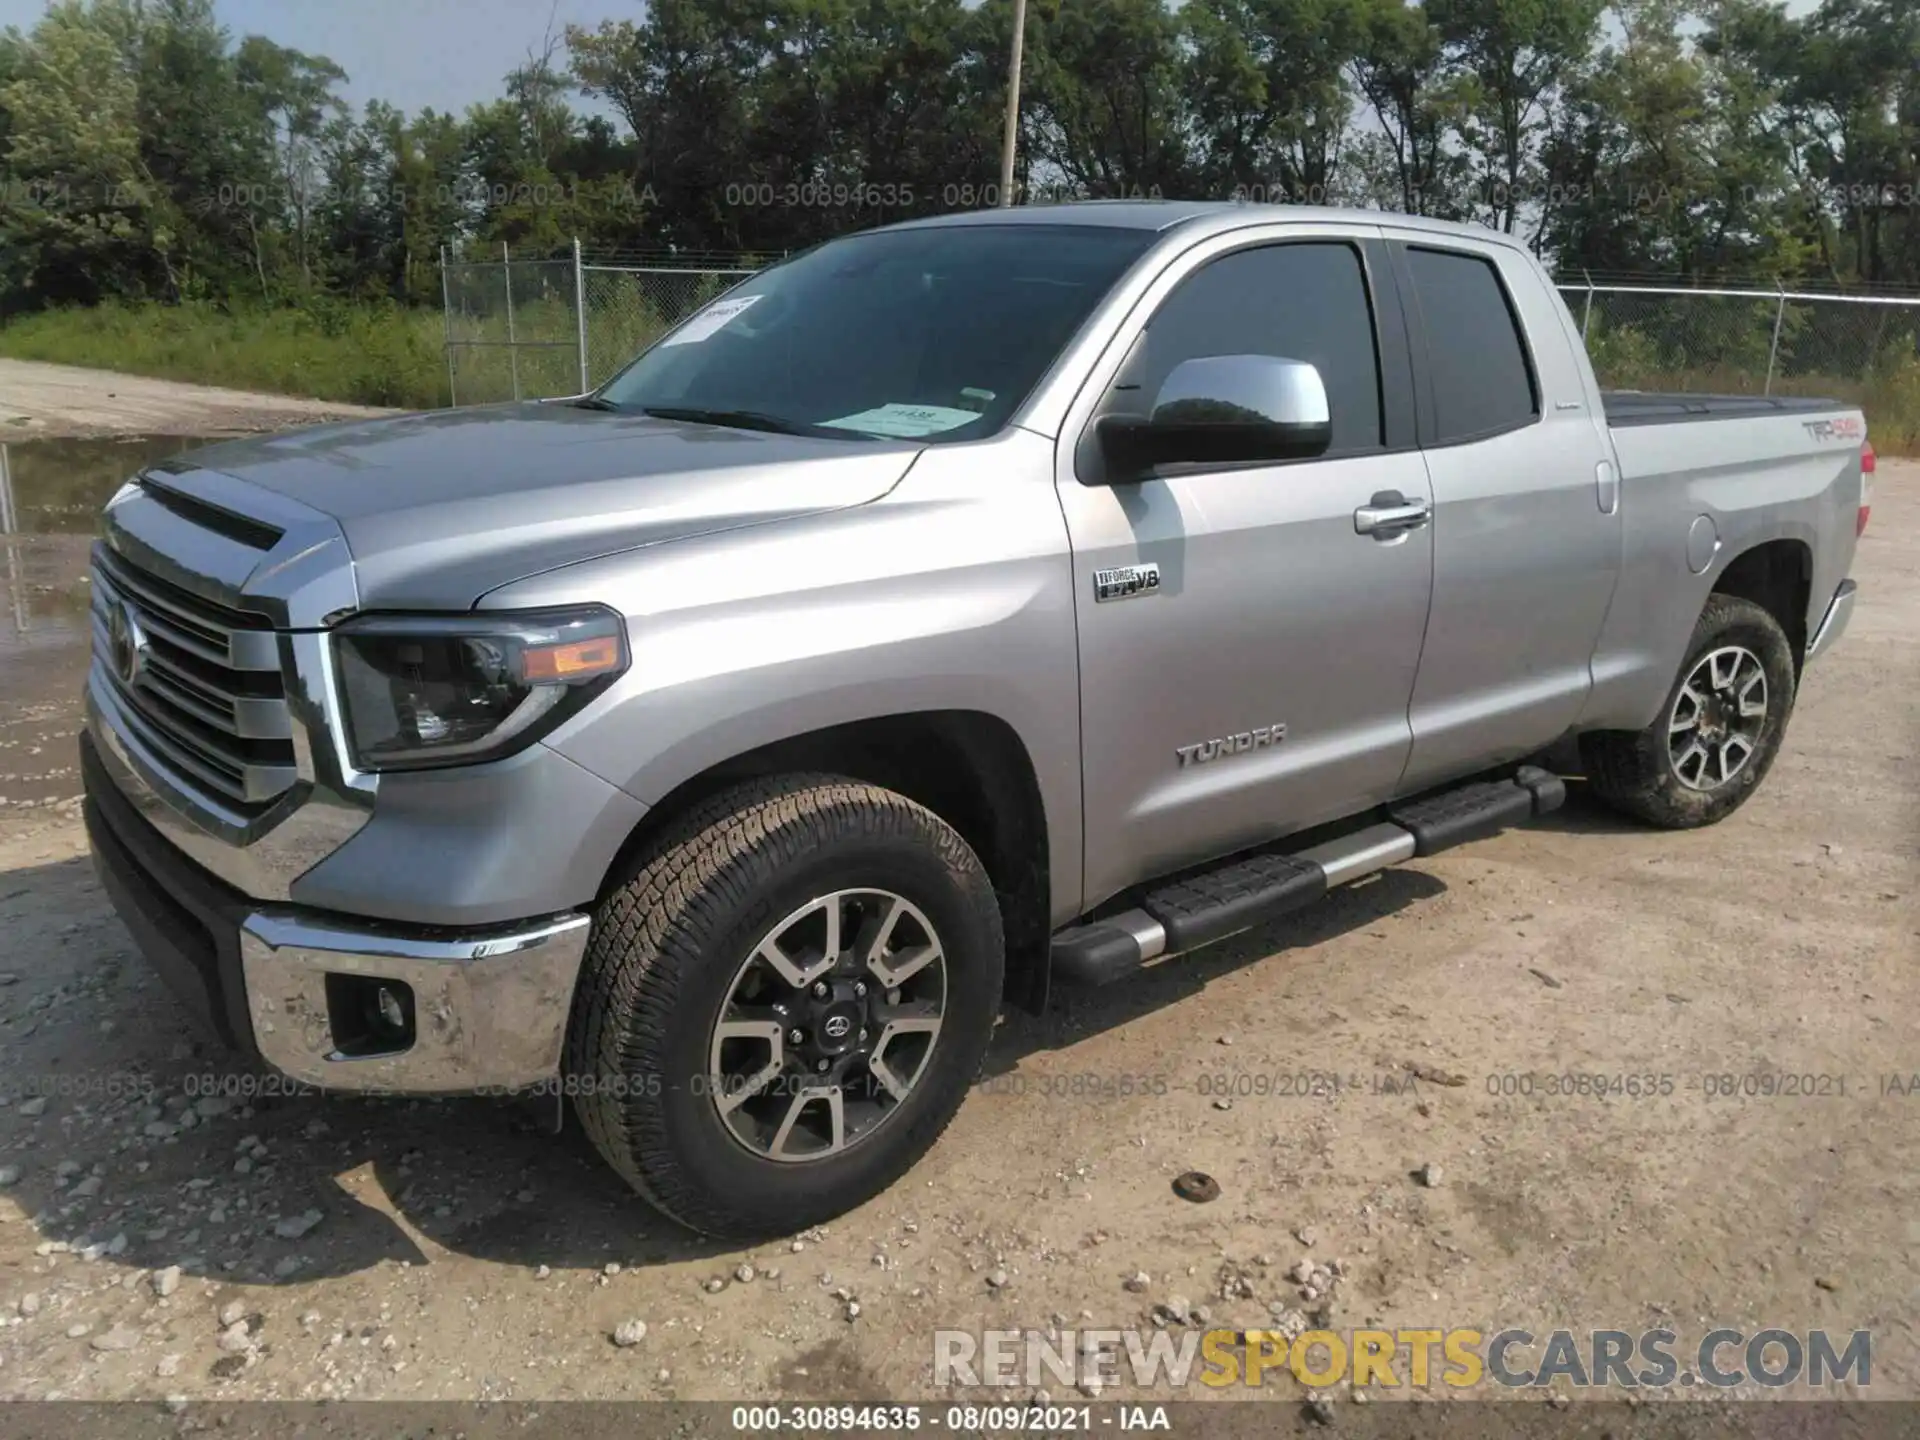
490	1010
1834	624
489	1005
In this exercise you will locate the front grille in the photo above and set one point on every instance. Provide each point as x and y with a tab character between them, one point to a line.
199	684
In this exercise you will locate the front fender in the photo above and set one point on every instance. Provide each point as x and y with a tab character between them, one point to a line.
953	592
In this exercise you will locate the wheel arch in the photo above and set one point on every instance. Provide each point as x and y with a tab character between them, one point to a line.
967	766
1776	575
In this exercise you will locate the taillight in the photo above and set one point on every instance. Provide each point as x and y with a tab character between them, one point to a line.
1866	488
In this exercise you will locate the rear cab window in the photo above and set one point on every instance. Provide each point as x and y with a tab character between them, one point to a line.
1478	370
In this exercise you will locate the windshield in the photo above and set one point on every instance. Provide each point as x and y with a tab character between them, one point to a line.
932	334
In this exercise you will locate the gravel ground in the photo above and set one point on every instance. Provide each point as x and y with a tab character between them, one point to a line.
38	400
156	1242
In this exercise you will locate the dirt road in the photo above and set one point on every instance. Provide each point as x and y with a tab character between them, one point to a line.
39	401
161	1243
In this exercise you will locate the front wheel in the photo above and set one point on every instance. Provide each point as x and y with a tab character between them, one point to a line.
782	1009
1716	736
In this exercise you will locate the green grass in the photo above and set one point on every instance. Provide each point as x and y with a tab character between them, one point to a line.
360	354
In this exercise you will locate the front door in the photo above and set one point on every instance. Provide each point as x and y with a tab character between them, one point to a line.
1260	683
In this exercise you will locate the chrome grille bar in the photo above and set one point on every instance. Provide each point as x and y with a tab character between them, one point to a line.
198	683
227	637
247	716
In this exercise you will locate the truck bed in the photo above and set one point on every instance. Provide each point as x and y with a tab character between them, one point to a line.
1673	407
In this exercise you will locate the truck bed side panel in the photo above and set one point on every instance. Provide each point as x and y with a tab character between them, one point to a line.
1770	474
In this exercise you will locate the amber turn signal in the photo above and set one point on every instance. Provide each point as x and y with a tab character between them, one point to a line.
571	661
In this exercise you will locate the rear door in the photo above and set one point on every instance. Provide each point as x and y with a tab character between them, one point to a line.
1262	684
1526	528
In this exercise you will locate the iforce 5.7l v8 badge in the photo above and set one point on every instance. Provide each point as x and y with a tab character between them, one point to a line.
1125	582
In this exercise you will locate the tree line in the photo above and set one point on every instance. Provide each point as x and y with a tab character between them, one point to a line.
146	153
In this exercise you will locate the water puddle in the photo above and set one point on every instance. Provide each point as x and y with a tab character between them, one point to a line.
51	496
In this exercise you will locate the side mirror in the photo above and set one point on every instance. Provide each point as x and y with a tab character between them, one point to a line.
1222	409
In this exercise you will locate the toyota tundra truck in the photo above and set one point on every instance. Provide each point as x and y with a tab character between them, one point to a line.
950	611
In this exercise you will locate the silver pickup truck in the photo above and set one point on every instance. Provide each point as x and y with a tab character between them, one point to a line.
951	610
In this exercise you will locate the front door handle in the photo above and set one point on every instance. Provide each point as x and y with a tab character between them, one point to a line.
1390	513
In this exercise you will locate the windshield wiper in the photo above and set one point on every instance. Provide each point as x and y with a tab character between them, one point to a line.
594	402
748	420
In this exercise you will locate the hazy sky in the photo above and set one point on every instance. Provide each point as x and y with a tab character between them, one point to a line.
415	53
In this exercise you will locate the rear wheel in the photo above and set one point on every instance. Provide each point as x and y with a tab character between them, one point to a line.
783	1008
1718	732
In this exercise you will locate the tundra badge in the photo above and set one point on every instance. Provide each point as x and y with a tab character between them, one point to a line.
1124	582
1255	739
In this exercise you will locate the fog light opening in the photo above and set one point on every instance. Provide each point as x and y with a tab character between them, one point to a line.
369	1015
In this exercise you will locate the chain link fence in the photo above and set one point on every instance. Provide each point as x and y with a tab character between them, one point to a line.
626	307
534	328
1864	349
520	329
513	328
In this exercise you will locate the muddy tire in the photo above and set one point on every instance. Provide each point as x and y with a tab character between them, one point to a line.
784	1004
1718	731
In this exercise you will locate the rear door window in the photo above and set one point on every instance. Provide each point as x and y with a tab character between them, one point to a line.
1477	367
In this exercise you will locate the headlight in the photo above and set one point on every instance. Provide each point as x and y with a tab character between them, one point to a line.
426	690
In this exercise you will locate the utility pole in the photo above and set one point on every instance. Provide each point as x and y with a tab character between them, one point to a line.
1013	103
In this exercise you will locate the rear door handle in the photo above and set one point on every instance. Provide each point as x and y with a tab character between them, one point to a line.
1390	513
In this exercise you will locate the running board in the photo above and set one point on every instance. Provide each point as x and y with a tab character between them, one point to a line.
1181	915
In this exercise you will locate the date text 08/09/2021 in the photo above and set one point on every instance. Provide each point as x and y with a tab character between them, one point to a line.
1042	1418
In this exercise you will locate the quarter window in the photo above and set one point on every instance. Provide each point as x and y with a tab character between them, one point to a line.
1476	360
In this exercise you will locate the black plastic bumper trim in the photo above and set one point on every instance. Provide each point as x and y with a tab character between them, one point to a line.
185	922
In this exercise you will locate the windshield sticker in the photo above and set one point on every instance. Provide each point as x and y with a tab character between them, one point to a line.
906	422
709	320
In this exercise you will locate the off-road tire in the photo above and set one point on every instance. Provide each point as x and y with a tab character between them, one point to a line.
665	948
1633	771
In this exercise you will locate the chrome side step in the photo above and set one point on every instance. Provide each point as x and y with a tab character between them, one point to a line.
1354	856
1177	916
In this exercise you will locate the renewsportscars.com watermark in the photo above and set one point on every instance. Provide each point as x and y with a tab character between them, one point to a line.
1459	1359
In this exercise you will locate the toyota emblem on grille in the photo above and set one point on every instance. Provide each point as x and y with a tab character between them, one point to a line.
129	644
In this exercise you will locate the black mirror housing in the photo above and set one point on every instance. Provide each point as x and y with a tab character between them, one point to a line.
1135	445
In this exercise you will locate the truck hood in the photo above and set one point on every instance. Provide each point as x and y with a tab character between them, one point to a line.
441	507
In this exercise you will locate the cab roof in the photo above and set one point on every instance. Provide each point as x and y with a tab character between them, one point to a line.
1201	216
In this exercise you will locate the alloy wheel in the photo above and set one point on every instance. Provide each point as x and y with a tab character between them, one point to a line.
828	1025
1717	718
